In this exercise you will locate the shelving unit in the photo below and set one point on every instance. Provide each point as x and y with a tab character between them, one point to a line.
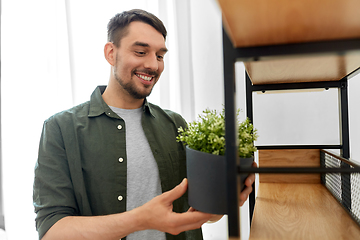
288	45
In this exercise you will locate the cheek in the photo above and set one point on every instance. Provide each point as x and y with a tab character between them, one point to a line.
161	67
126	62
125	68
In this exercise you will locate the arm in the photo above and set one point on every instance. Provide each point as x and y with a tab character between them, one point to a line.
156	214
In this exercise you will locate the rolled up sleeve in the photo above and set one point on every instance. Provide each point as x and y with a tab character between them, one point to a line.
53	193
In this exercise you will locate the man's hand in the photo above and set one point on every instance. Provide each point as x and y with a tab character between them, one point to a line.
248	189
158	213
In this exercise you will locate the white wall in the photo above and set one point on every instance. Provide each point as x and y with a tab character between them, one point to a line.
207	55
354	118
306	117
30	63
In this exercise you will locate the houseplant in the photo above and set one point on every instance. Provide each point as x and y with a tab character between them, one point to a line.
206	163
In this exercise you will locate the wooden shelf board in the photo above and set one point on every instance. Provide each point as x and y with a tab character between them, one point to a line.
300	211
258	22
289	158
302	69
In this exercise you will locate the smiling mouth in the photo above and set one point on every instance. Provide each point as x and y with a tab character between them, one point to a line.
144	77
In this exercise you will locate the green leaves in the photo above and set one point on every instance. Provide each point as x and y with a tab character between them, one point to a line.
247	134
208	134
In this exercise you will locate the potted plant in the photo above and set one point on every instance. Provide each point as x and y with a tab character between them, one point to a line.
205	158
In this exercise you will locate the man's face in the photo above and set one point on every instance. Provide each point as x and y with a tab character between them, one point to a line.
139	59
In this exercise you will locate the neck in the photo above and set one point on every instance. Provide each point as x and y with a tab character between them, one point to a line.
117	97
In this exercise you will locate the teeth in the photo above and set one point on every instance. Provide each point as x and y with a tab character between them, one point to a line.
144	77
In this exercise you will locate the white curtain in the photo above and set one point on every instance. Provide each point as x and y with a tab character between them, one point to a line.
35	83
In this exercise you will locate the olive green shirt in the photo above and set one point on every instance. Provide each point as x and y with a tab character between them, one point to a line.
81	168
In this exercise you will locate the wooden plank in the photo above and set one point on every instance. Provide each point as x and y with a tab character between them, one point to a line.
302	69
265	23
259	22
289	158
300	211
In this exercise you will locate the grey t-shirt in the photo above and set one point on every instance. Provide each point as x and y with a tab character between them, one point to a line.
143	180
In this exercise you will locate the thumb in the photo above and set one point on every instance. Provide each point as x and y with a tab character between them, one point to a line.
176	192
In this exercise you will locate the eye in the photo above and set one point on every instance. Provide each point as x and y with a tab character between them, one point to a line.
159	57
140	53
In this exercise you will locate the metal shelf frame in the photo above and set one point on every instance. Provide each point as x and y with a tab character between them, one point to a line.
230	56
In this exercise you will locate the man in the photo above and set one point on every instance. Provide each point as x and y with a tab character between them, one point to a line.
111	168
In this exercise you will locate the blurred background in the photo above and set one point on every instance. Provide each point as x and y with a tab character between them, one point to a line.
52	59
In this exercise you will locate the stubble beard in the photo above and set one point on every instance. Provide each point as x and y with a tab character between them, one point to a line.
130	87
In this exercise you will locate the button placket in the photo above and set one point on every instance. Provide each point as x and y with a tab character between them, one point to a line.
120	160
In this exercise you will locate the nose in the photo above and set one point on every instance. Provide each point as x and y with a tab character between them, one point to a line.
151	62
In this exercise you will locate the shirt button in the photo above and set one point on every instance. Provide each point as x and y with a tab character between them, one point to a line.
119	127
121	159
120	198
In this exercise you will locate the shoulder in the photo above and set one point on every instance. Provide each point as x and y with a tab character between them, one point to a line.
75	113
172	116
177	118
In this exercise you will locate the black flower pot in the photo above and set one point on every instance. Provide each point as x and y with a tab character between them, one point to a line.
206	175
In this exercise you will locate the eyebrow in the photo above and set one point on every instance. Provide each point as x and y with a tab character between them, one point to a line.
142	44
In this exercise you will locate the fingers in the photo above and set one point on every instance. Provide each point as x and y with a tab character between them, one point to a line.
176	192
191	209
244	195
214	217
251	178
160	215
248	183
193	217
189	220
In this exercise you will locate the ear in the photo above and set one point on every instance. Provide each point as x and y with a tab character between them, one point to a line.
110	53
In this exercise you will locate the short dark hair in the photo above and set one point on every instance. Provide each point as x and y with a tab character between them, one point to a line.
118	25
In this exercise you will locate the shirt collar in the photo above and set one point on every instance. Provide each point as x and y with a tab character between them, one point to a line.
98	105
147	108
